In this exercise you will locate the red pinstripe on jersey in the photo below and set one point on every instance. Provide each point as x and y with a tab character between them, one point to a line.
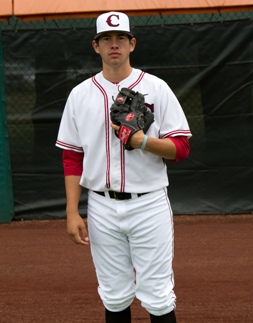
137	81
122	162
107	128
123	175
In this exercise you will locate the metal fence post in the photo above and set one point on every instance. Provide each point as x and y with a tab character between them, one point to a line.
6	190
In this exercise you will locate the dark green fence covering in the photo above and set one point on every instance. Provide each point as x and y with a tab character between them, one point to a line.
6	192
208	62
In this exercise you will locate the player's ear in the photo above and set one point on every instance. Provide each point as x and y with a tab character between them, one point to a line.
132	44
95	46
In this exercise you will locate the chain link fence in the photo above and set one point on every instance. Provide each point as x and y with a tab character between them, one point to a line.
15	24
21	72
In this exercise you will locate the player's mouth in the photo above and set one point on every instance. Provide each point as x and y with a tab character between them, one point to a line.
114	54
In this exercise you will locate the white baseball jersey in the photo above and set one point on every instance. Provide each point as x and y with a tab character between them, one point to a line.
85	127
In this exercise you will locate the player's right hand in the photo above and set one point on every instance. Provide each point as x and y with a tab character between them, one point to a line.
77	229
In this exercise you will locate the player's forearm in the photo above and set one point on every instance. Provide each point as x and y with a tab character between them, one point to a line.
73	192
161	147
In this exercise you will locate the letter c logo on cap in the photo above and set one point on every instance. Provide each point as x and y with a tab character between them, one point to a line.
109	21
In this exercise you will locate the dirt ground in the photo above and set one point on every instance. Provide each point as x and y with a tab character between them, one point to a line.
46	278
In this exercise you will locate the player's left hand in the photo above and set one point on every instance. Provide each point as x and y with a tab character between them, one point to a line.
130	113
136	139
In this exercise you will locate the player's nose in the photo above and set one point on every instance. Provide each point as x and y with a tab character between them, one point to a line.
114	43
114	46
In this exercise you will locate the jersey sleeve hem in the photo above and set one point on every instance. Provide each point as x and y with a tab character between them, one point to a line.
176	133
64	145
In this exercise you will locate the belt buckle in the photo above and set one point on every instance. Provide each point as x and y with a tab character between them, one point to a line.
115	194
119	196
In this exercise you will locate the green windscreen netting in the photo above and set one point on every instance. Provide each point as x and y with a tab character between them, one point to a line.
206	59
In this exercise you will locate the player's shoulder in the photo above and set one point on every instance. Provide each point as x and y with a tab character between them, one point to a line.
80	88
155	79
151	83
151	78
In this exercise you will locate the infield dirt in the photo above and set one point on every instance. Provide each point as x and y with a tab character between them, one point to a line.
46	278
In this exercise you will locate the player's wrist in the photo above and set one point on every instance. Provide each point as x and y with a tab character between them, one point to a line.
72	212
144	142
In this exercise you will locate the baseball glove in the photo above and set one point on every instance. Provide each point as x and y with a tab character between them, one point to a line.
130	113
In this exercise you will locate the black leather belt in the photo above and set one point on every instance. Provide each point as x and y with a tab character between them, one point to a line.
120	195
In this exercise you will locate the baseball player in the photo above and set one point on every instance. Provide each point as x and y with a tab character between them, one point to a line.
129	217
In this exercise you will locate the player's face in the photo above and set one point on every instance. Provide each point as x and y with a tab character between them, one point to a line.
114	48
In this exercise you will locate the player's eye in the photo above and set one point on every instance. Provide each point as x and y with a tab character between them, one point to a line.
105	38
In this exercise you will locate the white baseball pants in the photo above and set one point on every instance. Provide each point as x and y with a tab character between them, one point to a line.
132	248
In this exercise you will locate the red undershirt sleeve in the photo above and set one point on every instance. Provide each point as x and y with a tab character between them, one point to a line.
182	147
72	162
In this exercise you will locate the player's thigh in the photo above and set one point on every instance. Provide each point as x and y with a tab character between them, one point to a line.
110	250
152	244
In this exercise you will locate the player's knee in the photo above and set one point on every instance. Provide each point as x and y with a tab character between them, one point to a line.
116	300
118	305
160	305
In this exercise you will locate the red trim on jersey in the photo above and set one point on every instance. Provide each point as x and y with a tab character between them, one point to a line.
178	133
64	145
107	129
72	162
137	81
123	168
182	146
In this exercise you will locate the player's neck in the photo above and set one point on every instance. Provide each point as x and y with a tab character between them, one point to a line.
116	75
